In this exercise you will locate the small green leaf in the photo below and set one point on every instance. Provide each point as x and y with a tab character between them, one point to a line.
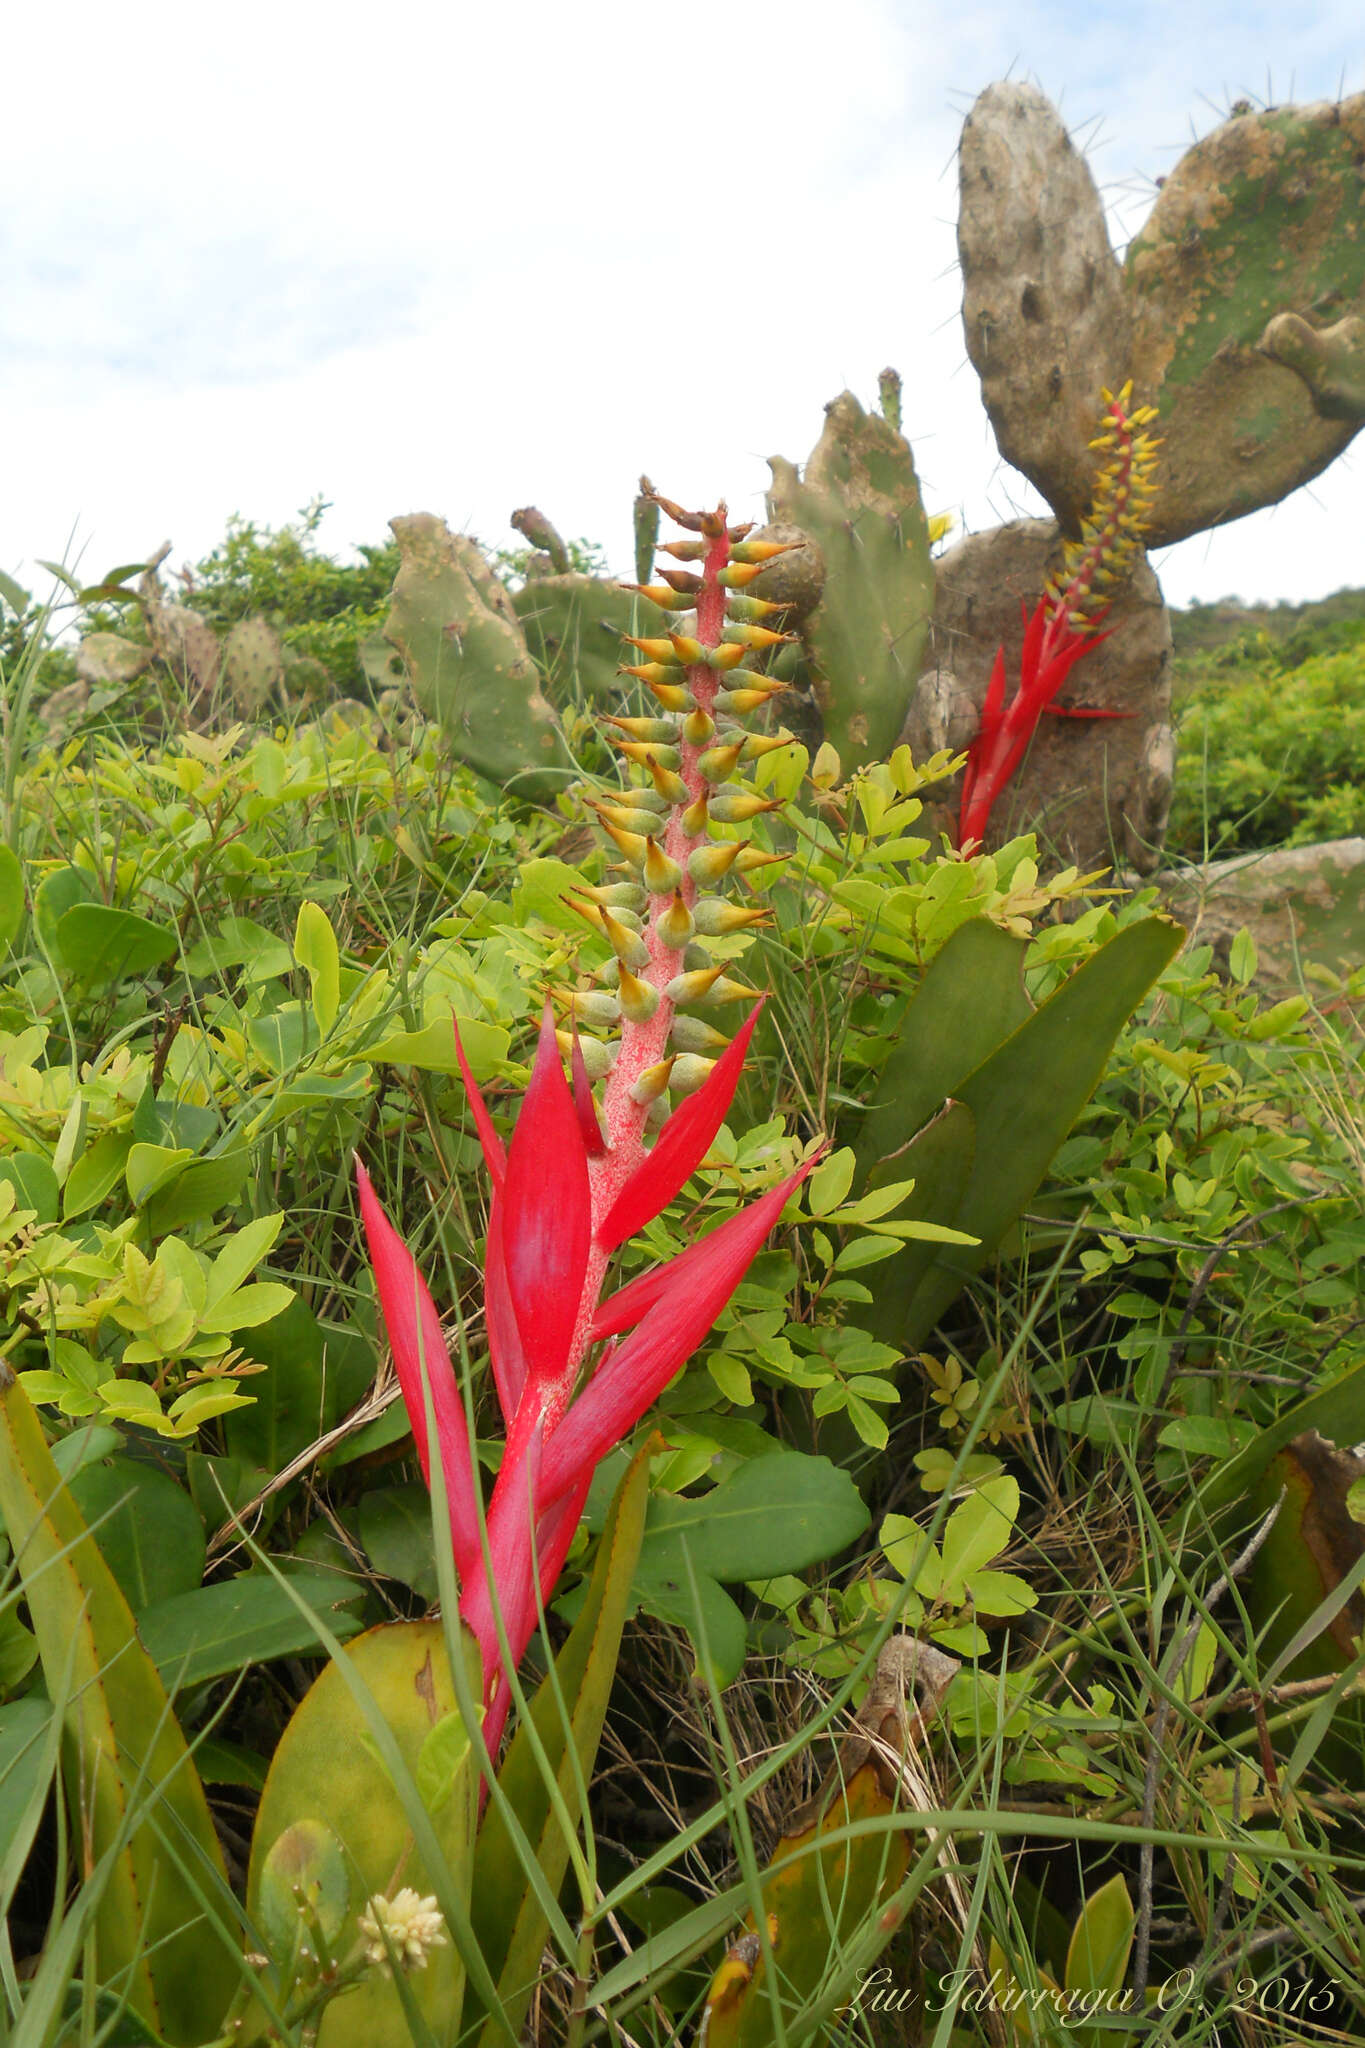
14	594
239	942
1242	957
831	1181
54	896
63	575
240	1256
433	1048
732	1377
866	1251
444	1757
394	1524
1097	1958
149	1168
245	1307
34	1182
98	944
979	1528
200	1190
315	949
303	1875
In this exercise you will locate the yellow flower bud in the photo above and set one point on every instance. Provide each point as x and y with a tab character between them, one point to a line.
661	875
638	999
676	927
653	1081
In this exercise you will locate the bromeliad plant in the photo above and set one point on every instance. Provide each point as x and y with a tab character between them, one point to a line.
1063	626
573	1373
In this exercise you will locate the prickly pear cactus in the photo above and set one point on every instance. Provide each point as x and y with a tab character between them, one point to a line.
252	665
859	504
1237	310
187	644
1260	219
309	1805
107	660
574	626
1044	312
467	660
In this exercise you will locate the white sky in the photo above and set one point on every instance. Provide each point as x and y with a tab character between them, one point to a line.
461	258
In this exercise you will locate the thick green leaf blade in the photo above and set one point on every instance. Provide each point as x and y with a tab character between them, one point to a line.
145	1525
773	1515
1024	1099
328	1769
508	1922
939	1159
1336	1412
433	1047
23	1725
970	1000
125	1752
217	1630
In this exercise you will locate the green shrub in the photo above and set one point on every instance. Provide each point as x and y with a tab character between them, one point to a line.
1271	756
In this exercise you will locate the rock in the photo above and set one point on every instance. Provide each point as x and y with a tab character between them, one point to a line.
1299	903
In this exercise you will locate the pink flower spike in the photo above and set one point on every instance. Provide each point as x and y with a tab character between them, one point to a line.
495	1158
546	1214
586	1109
681	1145
414	1333
637	1372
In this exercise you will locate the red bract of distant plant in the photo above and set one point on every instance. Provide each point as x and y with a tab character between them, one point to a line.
563	1200
1051	650
1061	629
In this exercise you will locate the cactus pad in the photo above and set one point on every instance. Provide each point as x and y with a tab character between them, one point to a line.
467	661
859	503
1044	312
253	665
1237	311
573	627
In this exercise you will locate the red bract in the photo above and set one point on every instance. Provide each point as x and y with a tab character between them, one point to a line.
683	1144
546	1215
557	1210
1051	650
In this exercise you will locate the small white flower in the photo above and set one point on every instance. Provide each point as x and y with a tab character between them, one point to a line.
413	1926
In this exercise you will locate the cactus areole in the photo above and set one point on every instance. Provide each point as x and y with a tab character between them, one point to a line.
574	1373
